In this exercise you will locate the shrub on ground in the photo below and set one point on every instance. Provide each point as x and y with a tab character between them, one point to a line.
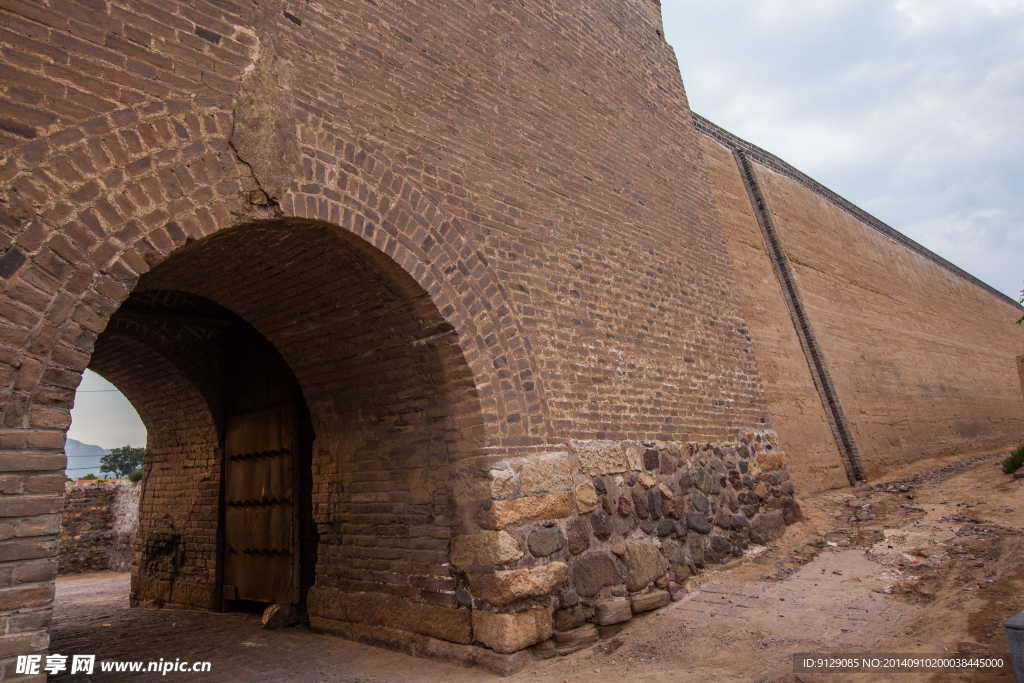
1015	461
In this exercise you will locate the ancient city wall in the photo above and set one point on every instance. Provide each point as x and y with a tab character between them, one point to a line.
98	526
483	241
794	404
520	185
921	355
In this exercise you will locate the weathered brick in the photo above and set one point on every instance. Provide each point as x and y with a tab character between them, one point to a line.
35	571
27	549
13	645
26	596
28	506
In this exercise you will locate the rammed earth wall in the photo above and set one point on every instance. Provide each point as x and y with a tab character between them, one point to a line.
919	357
98	526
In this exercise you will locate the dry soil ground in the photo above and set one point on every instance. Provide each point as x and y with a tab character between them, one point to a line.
934	570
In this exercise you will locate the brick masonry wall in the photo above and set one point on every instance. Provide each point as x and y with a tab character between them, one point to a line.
98	526
391	399
518	192
175	554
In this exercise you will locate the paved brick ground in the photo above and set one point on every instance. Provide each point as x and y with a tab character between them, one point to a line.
92	617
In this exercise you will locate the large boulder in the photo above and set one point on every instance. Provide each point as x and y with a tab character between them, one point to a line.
503	513
599	457
677	555
508	633
602	524
640	505
578	535
488	547
644	564
546	473
544	542
586	497
766	527
695	544
506	587
697	522
654	503
593	572
608	612
656	599
675	507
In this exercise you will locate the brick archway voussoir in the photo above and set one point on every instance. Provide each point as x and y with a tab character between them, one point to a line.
385	206
89	210
449	300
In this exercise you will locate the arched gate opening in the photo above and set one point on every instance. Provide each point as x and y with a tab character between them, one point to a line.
304	399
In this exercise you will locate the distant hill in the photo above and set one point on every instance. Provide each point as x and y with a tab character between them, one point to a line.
76	448
83	458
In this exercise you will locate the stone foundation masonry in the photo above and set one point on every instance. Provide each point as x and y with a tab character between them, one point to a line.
558	544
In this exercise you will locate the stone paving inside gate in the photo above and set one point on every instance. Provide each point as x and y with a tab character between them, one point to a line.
91	616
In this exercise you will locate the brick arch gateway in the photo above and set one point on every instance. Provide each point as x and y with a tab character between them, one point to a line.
384	403
545	342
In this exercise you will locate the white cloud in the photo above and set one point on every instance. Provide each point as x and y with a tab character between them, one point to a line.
909	108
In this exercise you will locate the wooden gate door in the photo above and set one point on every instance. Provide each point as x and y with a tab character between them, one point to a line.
260	557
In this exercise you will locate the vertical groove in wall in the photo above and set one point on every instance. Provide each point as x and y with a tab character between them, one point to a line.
812	352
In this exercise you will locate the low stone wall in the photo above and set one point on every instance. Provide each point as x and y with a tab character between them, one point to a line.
560	545
98	525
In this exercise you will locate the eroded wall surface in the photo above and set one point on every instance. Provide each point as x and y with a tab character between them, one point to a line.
924	361
795	406
921	355
98	526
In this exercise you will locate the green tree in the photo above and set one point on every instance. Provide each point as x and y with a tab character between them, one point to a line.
1021	301
122	460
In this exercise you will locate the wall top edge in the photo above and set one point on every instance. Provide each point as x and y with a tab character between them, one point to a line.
774	163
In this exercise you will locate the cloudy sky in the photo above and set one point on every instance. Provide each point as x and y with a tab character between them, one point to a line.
102	416
911	109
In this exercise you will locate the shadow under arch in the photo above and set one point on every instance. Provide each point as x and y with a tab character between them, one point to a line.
390	395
